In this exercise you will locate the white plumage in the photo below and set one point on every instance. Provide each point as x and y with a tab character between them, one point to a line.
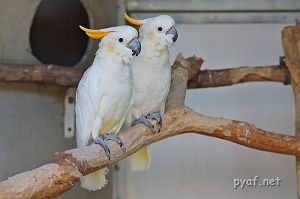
151	76
104	94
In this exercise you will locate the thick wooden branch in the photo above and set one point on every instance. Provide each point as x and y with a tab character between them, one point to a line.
66	76
231	76
53	74
291	46
55	178
68	167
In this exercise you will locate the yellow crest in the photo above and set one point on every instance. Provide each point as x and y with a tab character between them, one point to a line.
95	34
133	21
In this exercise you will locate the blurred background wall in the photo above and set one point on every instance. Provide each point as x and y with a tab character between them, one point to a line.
225	33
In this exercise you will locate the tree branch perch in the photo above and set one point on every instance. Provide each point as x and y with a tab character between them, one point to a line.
66	76
231	76
68	167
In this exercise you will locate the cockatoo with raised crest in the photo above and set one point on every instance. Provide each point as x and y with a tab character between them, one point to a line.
151	77
104	94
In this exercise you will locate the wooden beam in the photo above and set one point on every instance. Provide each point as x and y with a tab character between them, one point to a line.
291	46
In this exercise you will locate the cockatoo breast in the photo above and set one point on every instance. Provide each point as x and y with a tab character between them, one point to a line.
150	92
115	105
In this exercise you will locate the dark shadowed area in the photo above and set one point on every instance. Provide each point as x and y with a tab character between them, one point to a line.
55	37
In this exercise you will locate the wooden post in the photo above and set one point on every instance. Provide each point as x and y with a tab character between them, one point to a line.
291	46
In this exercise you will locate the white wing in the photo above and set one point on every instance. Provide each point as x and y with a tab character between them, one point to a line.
88	98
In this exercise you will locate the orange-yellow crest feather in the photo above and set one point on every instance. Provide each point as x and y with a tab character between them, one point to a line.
133	21
95	34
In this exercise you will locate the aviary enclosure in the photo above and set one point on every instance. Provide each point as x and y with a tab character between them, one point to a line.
66	169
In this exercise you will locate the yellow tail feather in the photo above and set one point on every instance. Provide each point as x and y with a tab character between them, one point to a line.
95	181
140	160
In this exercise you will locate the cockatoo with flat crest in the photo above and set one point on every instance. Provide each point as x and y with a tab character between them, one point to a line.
151	77
104	94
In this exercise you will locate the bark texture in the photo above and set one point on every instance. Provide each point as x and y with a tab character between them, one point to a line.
228	77
53	74
66	76
291	46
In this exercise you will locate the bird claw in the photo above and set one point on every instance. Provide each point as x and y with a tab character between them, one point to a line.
100	141
142	119
115	138
156	116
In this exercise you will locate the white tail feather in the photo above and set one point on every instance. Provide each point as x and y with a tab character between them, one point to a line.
140	160
95	181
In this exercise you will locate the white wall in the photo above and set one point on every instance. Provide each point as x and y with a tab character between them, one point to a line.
193	166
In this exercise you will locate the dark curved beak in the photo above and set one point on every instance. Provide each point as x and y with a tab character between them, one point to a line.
135	46
173	31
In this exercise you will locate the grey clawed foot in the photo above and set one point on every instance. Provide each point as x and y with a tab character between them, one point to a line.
142	119
100	141
156	116
115	138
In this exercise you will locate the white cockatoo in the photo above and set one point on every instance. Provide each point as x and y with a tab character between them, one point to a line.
151	77
104	93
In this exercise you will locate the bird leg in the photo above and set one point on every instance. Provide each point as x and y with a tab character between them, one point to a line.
142	119
113	137
156	116
100	141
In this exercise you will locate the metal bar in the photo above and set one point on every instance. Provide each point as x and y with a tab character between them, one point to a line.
225	17
205	5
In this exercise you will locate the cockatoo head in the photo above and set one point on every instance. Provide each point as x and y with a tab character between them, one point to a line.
118	42
158	30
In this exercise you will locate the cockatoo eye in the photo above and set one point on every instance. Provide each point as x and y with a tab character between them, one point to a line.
121	40
159	29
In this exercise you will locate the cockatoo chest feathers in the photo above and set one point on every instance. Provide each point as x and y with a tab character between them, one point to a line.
156	81
115	107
